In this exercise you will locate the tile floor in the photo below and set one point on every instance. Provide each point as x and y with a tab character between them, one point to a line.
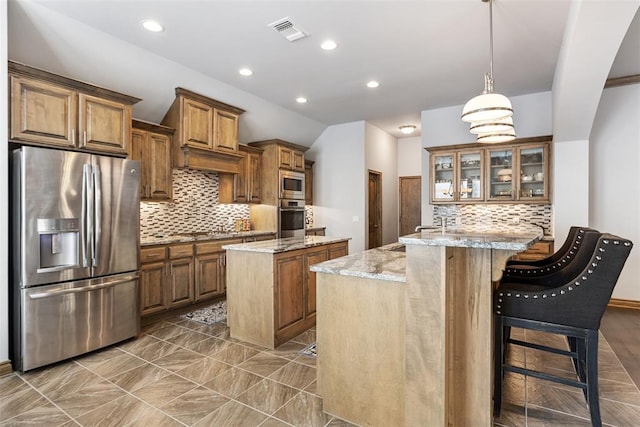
180	372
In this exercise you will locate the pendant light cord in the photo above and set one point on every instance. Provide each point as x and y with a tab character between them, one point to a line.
491	40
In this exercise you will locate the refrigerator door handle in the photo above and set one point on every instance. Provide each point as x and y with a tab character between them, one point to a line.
97	232
87	214
110	284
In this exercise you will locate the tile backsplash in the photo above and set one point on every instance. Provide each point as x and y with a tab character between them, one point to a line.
194	207
492	214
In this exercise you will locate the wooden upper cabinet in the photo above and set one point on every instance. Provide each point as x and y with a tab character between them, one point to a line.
291	159
206	133
151	145
513	172
225	125
308	182
103	125
51	110
197	129
42	112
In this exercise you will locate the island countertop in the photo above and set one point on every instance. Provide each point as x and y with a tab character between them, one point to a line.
285	245
506	237
384	263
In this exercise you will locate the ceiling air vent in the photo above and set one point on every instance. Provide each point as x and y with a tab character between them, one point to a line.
288	29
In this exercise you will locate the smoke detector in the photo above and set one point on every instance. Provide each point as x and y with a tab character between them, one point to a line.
288	29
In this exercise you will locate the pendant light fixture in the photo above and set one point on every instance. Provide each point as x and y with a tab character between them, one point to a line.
489	113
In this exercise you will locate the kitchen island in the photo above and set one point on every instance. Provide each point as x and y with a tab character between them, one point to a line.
271	294
409	343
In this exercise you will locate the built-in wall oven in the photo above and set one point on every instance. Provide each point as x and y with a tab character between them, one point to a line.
291	218
291	185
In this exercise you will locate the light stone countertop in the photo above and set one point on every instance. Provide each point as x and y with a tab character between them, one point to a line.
189	237
285	245
384	263
507	237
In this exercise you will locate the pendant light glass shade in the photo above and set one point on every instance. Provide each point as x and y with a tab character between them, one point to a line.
493	138
490	113
485	107
492	126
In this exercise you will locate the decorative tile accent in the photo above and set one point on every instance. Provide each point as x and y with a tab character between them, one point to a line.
308	216
194	207
511	214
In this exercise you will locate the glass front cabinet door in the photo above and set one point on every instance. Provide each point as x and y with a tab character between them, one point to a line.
469	168
500	181
443	177
533	163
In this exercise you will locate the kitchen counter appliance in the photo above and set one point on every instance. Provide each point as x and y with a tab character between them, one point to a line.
291	185
75	240
291	218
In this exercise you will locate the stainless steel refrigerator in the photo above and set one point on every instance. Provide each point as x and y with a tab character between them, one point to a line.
74	219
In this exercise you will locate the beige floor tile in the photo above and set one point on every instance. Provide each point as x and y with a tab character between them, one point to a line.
232	414
274	422
233	382
164	390
542	417
312	388
619	414
94	359
512	414
44	415
52	374
289	350
306	338
189	337
89	397
137	378
117	364
155	350
294	375
303	410
67	382
209	346
267	396
169	331
177	360
194	405
203	370
234	354
307	360
337	422
126	410
23	399
11	384
214	330
138	343
263	364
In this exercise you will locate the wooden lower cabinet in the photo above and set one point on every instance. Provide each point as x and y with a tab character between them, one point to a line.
181	274
272	297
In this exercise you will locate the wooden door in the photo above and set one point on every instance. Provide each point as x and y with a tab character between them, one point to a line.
138	147
410	203
240	185
289	293
375	209
298	161
104	125
226	131
285	158
208	276
308	182
43	113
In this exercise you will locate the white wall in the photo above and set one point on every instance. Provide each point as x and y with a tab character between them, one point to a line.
410	156
339	192
615	177
4	193
381	155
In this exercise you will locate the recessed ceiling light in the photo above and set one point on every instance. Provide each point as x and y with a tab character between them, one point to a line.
245	72
152	25
328	45
373	84
301	100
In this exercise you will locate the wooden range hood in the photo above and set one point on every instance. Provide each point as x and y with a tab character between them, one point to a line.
206	135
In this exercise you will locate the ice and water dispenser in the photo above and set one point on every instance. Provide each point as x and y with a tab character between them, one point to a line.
59	243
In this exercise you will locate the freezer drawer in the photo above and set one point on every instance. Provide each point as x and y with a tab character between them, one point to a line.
64	320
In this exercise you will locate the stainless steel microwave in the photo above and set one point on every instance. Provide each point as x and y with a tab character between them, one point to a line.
291	185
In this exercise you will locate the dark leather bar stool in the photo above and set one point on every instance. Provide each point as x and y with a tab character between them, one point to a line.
571	263
572	307
558	258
